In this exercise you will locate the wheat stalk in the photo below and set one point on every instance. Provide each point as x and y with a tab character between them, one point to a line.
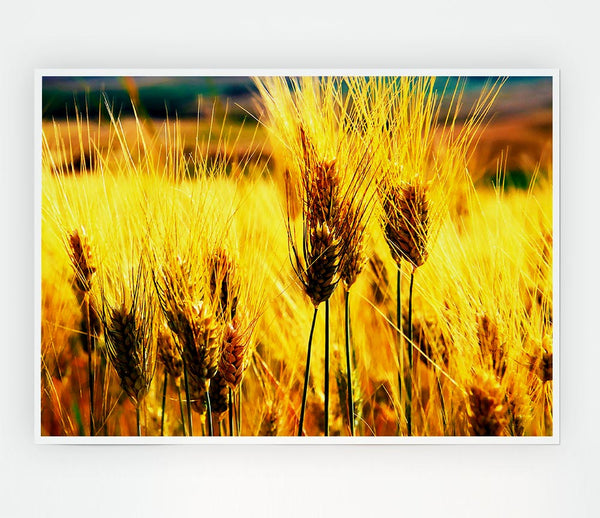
330	191
353	223
82	261
317	267
406	227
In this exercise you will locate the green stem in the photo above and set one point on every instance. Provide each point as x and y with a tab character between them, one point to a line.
238	406
548	414
326	410
410	357
90	363
306	374
181	410
209	415
164	400
442	403
230	412
188	400
137	418
348	366
399	328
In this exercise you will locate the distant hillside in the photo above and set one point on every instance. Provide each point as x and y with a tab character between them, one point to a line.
519	127
180	96
158	96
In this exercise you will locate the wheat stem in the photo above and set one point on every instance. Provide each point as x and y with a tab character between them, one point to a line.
90	363
409	384
230	412
209	415
188	400
137	418
548	417
238	406
306	373
164	400
348	366
399	348
326	368
442	403
181	410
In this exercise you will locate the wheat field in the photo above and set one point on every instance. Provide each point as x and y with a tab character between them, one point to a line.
339	268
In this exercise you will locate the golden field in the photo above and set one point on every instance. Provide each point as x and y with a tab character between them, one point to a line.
183	263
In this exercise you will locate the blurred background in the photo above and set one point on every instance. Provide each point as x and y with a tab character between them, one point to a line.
519	130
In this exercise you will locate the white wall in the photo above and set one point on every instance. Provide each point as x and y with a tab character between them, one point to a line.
167	481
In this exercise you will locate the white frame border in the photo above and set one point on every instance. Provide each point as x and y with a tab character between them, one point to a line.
39	74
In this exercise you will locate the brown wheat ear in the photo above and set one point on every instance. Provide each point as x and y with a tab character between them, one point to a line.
82	260
546	371
198	334
219	396
169	356
318	261
234	355
491	346
486	408
130	349
541	364
352	230
406	222
233	361
224	284
321	275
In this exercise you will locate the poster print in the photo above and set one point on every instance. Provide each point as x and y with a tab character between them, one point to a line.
298	256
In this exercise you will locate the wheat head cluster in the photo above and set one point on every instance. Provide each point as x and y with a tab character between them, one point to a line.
335	269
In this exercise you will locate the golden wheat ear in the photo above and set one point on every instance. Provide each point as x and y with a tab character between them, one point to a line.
486	409
406	222
354	257
235	350
82	259
128	341
492	347
224	284
83	264
168	355
219	397
199	336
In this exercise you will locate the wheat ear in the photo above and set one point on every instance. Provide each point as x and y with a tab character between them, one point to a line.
486	409
129	345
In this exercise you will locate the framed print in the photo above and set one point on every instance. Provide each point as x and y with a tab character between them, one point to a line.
297	256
